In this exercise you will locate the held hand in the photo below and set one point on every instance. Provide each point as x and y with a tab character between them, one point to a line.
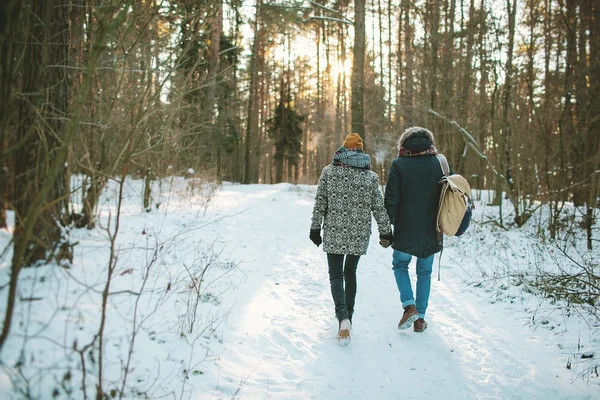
385	240
315	236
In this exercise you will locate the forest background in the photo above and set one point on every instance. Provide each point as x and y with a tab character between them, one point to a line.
265	91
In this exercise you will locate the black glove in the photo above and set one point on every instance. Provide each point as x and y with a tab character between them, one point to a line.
315	236
385	240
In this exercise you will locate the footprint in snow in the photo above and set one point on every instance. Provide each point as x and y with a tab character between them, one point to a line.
279	339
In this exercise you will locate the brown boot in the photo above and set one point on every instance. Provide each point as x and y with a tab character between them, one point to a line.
410	315
420	325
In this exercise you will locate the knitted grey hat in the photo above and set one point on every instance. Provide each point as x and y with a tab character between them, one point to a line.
413	130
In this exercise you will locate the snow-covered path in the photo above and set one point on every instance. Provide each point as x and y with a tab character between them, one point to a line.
280	342
260	324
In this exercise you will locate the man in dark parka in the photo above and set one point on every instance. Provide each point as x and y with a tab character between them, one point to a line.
411	200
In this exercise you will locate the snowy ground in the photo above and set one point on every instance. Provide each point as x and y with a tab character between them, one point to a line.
258	322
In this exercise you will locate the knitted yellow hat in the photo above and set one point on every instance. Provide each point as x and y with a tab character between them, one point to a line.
353	141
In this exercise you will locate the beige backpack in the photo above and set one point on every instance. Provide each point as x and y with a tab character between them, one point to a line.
455	197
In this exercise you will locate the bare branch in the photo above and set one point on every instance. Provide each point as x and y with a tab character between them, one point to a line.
344	21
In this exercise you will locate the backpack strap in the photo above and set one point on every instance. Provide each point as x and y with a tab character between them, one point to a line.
440	201
446	171
444	164
440	265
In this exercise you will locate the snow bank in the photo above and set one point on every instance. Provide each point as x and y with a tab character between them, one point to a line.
226	297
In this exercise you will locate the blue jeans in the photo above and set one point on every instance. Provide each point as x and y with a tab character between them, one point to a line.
424	268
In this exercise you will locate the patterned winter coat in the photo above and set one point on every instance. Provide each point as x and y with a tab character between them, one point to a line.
346	198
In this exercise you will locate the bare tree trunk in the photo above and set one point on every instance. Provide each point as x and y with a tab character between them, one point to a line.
409	89
236	156
338	91
581	165
567	125
281	126
467	78
346	123
319	112
252	129
448	58
147	196
400	112
453	143
468	66
579	141
10	16
46	88
593	134
52	21
380	20
433	56
498	188
212	95
483	84
328	129
279	170
358	70
548	121
96	145
390	68
506	106
426	64
264	105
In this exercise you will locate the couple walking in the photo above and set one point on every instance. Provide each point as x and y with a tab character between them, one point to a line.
348	193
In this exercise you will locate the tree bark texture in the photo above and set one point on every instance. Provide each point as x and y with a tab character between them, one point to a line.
252	129
41	115
10	15
408	92
358	70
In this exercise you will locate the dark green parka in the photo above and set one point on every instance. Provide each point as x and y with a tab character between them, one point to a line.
412	194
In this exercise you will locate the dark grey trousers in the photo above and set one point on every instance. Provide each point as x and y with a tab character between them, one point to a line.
338	273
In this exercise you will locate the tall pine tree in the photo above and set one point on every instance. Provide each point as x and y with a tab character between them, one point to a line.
286	131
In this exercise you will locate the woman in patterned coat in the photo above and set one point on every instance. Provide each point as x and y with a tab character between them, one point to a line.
347	194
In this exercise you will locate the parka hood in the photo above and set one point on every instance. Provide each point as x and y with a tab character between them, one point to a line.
415	131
